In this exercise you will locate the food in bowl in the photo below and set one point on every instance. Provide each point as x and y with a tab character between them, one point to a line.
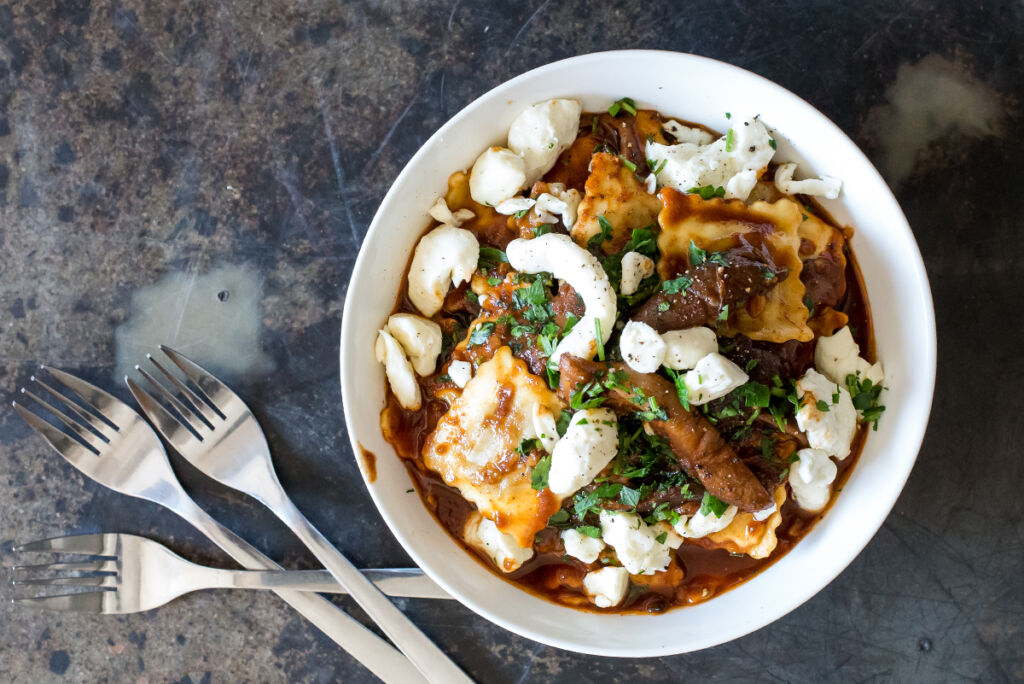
631	363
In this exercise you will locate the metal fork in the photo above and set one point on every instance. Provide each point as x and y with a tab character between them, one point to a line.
125	573
213	429
114	446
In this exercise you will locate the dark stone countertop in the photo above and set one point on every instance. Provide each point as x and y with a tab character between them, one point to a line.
203	172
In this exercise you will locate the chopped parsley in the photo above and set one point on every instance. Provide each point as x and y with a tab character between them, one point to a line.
663	307
606	233
723	315
750	365
539	476
712	504
560	517
681	389
599	338
472	297
677	285
697	255
590	531
494	282
627	104
771	141
661	537
526	446
708	191
542	229
865	396
480	334
490	257
822	405
562	424
628	164
629	496
730	140
521	213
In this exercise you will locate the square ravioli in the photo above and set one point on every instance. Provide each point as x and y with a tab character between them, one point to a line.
475	446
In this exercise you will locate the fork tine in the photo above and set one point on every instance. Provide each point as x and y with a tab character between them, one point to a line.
209	386
84	566
84	435
110	407
166	424
67	447
105	581
201	405
82	602
197	424
86	417
100	544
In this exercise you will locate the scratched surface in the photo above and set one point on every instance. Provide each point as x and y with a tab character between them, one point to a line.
203	172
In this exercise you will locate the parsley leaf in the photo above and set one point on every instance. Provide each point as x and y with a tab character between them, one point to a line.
712	504
590	531
730	140
539	476
661	537
583	503
629	497
678	285
865	394
606	233
560	517
663	307
681	389
822	405
697	255
706	192
771	141
626	104
481	333
490	257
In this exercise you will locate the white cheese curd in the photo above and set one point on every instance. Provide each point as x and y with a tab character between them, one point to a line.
460	372
831	430
635	267
837	356
560	256
481	533
685	348
571	198
399	371
581	546
542	132
688	165
515	205
699	525
687	134
651	184
811	479
642	348
420	338
714	376
607	587
442	214
826	186
548	206
635	542
497	174
589	444
762	515
444	257
546	427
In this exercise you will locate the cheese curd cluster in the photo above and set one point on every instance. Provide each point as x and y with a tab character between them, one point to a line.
632	338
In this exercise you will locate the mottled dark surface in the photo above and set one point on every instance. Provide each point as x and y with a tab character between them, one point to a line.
200	146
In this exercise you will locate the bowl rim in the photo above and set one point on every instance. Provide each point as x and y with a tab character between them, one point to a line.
926	350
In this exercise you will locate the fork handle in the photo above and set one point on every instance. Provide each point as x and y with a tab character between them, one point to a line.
423	652
374	653
403	582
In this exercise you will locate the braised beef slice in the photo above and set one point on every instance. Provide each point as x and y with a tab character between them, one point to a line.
750	272
789	359
824	277
699	447
566	302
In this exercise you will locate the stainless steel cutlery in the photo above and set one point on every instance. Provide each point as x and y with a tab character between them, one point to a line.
125	573
110	443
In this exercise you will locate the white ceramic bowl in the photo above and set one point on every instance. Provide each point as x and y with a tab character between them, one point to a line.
700	90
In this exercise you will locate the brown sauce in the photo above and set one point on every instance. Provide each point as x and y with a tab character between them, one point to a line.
369	463
696	573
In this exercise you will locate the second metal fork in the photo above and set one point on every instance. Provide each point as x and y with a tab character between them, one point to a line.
125	573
